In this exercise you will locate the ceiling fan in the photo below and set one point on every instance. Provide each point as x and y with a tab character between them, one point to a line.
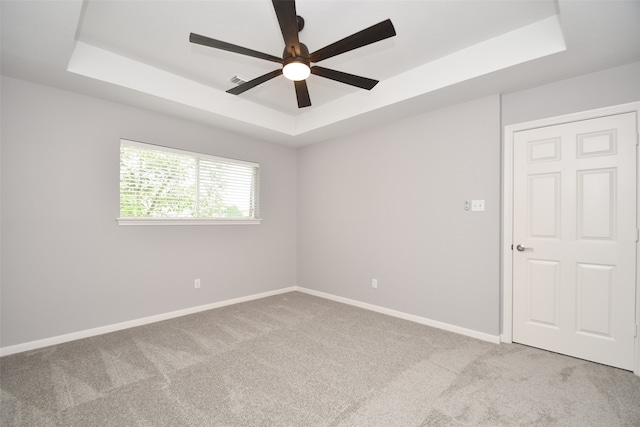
296	58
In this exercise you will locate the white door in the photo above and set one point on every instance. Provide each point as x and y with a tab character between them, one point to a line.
574	235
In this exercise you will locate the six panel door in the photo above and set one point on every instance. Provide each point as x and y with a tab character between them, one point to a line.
575	224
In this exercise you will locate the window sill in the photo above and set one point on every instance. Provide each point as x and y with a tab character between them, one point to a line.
187	221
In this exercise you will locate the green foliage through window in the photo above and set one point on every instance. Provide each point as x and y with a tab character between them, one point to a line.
157	182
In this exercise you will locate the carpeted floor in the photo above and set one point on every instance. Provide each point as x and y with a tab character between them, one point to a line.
299	360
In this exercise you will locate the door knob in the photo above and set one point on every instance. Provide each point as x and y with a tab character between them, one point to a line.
522	248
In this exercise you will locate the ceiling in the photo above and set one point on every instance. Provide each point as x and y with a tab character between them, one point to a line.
445	52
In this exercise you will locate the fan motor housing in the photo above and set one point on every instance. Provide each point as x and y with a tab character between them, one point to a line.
289	57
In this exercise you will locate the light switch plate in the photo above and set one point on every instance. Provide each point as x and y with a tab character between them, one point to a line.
477	205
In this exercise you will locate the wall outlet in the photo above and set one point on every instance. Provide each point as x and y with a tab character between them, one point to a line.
197	283
374	283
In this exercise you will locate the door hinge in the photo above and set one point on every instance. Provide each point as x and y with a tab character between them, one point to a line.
637	236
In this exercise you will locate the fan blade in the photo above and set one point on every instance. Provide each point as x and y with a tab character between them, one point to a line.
375	33
302	93
339	76
255	82
287	18
206	41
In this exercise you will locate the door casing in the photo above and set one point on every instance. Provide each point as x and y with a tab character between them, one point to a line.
507	211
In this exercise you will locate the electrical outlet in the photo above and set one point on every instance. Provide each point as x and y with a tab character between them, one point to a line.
374	283
197	283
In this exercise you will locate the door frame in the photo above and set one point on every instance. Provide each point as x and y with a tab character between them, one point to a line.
506	335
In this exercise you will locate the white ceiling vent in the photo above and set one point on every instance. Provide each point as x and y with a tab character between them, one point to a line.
238	80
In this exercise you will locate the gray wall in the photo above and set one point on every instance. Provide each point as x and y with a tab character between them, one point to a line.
66	264
609	87
388	204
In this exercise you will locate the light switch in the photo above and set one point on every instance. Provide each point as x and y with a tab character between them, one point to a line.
477	205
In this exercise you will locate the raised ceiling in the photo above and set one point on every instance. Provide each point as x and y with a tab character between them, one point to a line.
138	52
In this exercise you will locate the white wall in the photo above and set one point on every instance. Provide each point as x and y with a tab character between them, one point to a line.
67	266
388	203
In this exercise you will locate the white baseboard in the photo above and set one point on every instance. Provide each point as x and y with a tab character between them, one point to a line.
46	342
413	318
33	345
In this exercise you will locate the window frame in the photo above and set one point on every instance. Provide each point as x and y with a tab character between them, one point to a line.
161	221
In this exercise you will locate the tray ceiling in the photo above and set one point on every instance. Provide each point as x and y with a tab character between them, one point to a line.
138	52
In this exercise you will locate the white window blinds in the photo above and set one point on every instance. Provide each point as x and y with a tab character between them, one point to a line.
164	183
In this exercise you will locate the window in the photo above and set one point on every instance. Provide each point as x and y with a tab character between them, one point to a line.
160	185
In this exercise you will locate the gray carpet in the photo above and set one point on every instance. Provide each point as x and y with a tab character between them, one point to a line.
299	360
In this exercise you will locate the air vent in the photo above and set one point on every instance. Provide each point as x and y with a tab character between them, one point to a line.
238	80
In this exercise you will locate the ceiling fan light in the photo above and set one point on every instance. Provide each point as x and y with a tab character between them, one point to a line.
296	71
